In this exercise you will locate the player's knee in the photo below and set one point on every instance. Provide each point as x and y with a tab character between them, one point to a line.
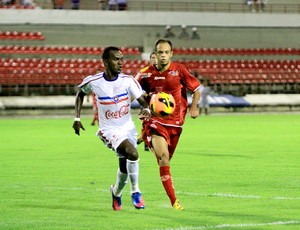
131	153
164	160
133	156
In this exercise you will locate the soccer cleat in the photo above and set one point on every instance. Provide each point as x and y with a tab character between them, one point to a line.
137	200
146	148
116	201
177	205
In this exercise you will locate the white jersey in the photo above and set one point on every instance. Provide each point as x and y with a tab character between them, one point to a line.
113	99
204	92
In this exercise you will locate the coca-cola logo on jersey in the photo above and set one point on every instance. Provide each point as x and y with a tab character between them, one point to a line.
117	114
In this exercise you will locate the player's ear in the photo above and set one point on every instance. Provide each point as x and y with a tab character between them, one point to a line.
105	61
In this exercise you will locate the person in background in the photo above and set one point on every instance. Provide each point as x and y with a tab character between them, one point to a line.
114	92
184	34
59	4
103	4
204	92
95	109
162	134
195	34
112	5
75	4
152	61
27	3
263	4
169	33
122	4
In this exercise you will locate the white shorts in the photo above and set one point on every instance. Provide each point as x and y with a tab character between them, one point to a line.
113	137
204	104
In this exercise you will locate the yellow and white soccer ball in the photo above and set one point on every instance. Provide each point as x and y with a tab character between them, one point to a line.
162	104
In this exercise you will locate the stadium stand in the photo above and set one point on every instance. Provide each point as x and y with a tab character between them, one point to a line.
64	50
224	55
17	7
221	73
15	35
276	6
235	51
194	51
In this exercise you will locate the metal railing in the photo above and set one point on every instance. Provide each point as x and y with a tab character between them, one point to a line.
187	6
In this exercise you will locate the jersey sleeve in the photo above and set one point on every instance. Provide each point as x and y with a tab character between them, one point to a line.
85	85
189	80
135	88
86	88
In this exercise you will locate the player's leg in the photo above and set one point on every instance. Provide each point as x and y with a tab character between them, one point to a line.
206	108
121	181
206	111
127	149
160	147
94	121
122	176
176	132
96	117
201	106
146	148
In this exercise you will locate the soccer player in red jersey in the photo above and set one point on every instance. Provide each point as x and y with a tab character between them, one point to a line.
95	109
152	61
162	134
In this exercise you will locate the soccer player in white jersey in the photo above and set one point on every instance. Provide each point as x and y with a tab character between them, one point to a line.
203	102
114	92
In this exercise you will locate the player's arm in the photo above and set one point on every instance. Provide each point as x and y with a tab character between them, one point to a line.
78	106
145	111
136	90
194	112
192	84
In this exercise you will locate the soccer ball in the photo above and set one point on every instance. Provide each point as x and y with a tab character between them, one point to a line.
162	104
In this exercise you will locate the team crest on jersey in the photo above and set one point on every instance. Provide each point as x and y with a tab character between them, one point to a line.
174	73
116	98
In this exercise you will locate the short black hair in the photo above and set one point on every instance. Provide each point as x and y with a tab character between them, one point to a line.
106	52
153	52
163	41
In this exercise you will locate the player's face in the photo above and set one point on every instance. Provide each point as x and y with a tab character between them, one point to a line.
114	63
153	59
164	54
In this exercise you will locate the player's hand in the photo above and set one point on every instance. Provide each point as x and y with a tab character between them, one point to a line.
77	126
194	113
145	114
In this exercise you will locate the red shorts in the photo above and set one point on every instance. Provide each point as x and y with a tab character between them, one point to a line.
170	133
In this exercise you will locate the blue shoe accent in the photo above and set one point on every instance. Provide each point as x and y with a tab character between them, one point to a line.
137	200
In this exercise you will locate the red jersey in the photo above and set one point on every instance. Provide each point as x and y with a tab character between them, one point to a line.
175	81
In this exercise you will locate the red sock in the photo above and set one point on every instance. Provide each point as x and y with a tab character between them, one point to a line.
167	182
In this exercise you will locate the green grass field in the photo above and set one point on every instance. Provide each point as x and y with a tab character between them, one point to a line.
229	172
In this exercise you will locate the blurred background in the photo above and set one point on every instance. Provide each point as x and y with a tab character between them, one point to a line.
247	51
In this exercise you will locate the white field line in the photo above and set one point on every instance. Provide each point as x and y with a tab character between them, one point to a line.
228	195
221	226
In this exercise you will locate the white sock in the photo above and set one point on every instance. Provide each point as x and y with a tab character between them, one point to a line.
133	173
120	183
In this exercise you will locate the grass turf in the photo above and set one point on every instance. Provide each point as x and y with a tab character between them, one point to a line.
229	172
